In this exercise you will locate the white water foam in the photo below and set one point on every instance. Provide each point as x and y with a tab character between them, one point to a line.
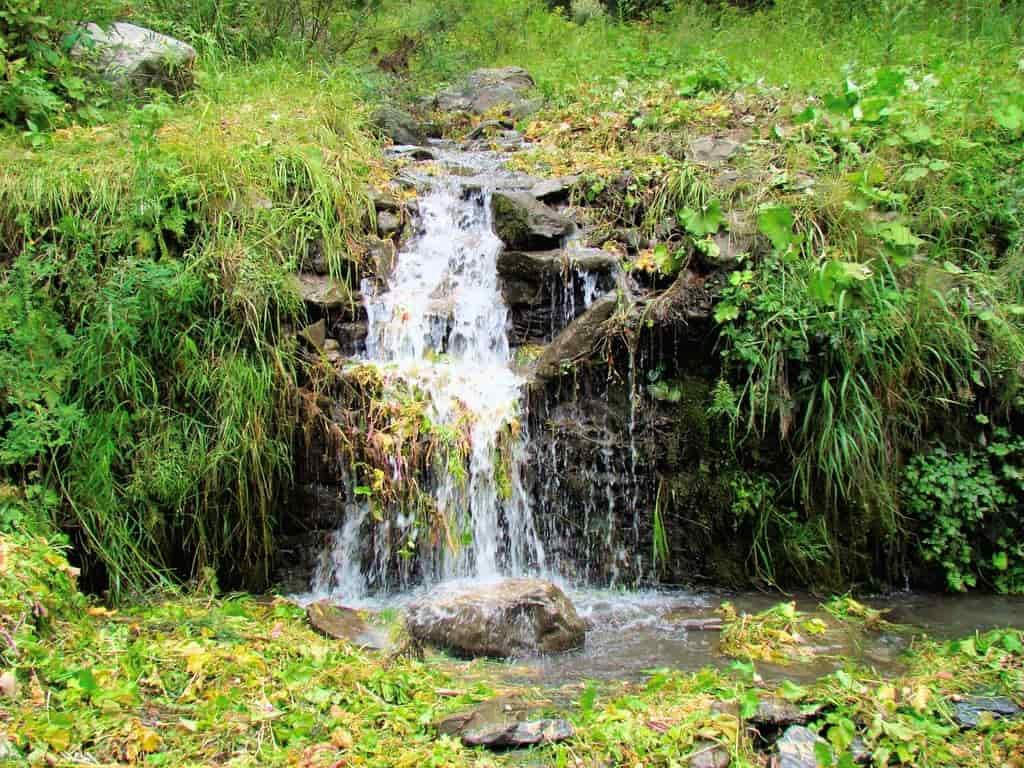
439	324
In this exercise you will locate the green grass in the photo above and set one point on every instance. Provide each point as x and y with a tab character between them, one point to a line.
152	258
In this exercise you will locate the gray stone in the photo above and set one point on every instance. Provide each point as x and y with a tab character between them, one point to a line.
522	222
554	189
503	723
968	713
523	734
542	265
779	712
507	618
323	291
315	334
485	89
712	150
388	223
385	201
795	748
398	125
346	624
576	341
708	754
135	57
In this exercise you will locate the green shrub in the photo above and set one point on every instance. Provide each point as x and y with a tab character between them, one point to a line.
967	506
41	86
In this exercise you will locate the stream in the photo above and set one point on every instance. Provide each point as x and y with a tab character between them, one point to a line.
439	324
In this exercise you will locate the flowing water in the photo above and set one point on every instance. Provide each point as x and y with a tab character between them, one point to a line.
439	325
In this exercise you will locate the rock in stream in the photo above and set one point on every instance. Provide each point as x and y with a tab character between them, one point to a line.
502	619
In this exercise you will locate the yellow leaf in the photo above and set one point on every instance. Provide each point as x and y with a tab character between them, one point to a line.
922	695
149	740
196	657
99	610
341	738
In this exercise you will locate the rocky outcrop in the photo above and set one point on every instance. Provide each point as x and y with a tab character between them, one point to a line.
485	89
576	341
398	125
138	58
524	223
503	619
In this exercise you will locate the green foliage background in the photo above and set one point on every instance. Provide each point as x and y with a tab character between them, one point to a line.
146	247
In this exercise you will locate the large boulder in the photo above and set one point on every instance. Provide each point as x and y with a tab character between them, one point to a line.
524	223
503	619
485	89
138	58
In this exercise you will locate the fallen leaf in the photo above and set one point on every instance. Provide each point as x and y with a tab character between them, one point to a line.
8	685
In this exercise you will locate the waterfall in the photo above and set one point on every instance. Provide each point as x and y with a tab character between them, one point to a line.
439	324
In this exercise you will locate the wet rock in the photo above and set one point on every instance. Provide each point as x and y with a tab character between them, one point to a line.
708	754
542	265
382	255
712	150
388	223
323	291
345	624
503	723
795	748
969	712
522	222
398	125
315	334
508	618
130	56
576	341
777	712
351	336
485	89
551	190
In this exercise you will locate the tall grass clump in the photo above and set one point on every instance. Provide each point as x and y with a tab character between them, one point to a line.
147	298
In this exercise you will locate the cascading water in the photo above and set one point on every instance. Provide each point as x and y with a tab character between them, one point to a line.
439	325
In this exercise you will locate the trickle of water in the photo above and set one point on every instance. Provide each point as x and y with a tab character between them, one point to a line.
439	324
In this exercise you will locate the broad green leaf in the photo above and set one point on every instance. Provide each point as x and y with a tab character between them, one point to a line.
703	222
726	312
776	223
